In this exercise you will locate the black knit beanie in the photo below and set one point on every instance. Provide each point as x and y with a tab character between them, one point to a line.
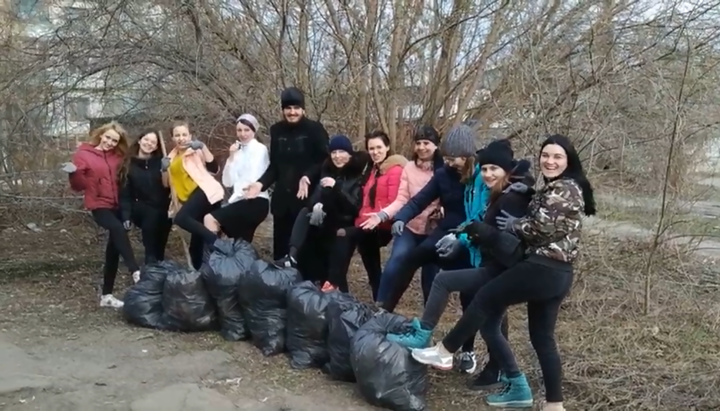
499	153
292	96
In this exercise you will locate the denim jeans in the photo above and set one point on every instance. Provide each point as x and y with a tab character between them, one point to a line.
401	247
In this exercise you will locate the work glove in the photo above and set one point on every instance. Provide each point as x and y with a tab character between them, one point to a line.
196	145
317	215
397	228
69	168
517	187
505	221
164	164
448	246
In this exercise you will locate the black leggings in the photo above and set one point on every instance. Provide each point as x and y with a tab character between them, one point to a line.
368	244
118	245
467	282
155	226
282	231
241	218
190	218
542	284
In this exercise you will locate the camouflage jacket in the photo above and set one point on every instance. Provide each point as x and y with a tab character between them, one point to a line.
553	224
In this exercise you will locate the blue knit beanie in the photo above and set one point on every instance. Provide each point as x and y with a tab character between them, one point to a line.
340	142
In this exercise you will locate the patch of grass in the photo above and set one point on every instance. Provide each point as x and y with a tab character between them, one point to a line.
676	223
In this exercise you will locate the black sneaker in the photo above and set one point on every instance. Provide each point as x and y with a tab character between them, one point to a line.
286	262
486	379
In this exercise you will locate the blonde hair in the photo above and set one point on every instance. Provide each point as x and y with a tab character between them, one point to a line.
97	134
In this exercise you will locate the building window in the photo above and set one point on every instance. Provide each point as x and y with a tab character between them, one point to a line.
78	109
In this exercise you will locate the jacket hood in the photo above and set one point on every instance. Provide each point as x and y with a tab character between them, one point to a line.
90	149
391	161
357	165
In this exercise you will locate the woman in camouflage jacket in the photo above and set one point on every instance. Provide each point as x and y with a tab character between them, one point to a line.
551	233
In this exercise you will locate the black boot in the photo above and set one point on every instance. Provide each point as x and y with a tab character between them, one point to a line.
489	377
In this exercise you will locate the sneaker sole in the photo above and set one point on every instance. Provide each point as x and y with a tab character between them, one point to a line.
433	365
512	404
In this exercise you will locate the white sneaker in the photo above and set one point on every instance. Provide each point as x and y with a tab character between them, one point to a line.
434	357
136	276
108	300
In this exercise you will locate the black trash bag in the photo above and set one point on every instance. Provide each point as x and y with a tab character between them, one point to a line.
345	316
387	375
263	296
221	274
307	326
186	303
143	301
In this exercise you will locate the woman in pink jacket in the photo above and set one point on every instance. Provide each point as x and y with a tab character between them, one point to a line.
415	176
379	191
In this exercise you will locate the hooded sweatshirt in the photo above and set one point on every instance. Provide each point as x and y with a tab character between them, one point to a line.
97	177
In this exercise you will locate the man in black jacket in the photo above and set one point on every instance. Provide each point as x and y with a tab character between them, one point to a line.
298	147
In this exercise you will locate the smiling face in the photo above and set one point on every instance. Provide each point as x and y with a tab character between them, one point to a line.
181	136
455	162
244	133
553	161
109	140
148	143
377	149
339	158
425	149
492	175
293	114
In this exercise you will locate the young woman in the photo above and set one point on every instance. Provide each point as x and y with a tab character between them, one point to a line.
189	165
145	196
448	185
298	146
247	162
334	204
94	171
551	230
416	175
499	171
379	190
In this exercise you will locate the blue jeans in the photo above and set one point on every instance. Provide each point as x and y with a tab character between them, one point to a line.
401	247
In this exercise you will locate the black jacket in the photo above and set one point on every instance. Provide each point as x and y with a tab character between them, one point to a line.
342	202
501	250
296	150
143	184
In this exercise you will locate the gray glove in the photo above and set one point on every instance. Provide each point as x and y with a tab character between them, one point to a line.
397	228
127	225
317	217
505	221
164	164
196	145
448	246
69	168
517	187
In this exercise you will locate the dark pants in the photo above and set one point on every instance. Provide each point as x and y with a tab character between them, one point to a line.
118	245
401	247
467	282
190	218
155	226
241	218
542	284
282	231
368	244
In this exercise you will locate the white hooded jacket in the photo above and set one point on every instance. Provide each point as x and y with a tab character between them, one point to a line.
244	167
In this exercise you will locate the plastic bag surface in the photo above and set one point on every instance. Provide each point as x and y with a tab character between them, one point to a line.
221	274
387	375
143	301
307	325
345	315
186	303
263	296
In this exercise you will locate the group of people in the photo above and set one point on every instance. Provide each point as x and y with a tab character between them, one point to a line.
470	219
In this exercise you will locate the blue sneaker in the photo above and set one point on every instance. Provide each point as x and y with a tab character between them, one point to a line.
515	394
416	337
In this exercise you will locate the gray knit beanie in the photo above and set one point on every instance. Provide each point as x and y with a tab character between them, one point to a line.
459	142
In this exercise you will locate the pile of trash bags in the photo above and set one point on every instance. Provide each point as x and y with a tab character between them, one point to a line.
247	298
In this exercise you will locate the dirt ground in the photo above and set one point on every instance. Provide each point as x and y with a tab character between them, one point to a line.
65	353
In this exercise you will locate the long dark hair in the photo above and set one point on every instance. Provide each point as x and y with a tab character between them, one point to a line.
134	149
376	167
574	170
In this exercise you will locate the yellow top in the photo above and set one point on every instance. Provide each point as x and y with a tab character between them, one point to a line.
180	179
